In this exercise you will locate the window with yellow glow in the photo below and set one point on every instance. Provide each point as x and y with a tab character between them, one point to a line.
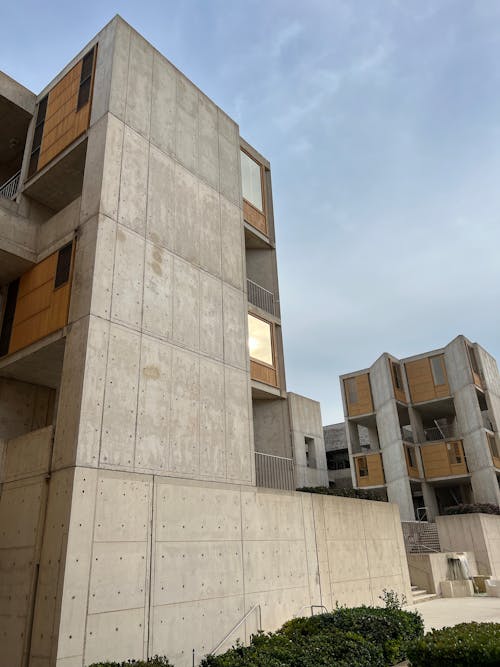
260	343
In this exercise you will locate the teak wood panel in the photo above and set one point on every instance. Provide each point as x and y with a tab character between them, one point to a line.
255	217
375	467
262	373
421	381
399	394
364	404
40	309
437	463
63	122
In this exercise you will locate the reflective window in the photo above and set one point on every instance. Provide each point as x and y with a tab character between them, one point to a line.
251	181
260	340
438	372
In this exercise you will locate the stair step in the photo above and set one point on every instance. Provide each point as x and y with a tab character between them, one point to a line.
424	598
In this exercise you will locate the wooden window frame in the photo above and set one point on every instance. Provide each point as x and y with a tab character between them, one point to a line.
274	366
362	471
262	184
439	357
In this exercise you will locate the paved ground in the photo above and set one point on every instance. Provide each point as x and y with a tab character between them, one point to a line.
450	611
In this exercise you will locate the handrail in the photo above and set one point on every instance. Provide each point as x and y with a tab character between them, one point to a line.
261	297
9	189
256	606
311	607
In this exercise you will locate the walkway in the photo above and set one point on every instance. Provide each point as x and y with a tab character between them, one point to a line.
450	611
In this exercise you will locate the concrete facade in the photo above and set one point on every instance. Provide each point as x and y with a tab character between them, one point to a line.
308	443
134	438
436	434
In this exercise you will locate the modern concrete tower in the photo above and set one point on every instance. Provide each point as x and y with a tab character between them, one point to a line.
142	385
432	422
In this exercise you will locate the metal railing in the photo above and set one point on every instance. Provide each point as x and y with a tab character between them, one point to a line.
420	537
274	472
441	432
9	189
260	297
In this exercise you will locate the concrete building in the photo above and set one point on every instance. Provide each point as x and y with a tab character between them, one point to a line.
432	421
308	443
337	455
142	387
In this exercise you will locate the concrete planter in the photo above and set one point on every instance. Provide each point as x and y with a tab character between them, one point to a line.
479	533
457	589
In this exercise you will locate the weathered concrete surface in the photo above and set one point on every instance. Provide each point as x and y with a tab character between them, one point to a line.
427	571
479	533
306	423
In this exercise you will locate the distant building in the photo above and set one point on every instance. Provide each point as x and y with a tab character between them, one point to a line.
425	428
337	456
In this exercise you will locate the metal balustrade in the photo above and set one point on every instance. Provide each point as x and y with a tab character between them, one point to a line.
274	472
9	189
440	432
260	297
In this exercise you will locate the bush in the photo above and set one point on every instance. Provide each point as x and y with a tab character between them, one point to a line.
461	646
484	508
390	629
343	493
156	661
322	649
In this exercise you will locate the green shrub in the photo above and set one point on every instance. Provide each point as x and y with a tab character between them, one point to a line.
474	508
343	493
463	645
333	648
391	629
156	661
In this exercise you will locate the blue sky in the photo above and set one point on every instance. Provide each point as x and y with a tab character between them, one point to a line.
381	120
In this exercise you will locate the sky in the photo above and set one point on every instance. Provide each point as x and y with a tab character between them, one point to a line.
381	120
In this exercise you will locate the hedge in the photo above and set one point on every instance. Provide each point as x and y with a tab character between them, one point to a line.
360	494
464	645
156	661
475	508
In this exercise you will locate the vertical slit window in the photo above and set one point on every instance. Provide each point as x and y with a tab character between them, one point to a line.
352	390
362	466
37	136
8	317
63	266
438	372
85	79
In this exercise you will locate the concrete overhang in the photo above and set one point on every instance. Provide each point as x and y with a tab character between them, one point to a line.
40	363
17	105
17	242
437	408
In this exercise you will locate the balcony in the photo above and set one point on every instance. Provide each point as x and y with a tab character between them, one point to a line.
444	459
260	297
440	432
274	472
9	189
369	470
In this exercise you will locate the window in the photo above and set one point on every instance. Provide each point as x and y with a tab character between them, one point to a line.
473	359
260	340
352	390
438	372
493	445
8	317
412	461
454	453
37	136
251	181
85	79
310	452
362	466
63	265
396	374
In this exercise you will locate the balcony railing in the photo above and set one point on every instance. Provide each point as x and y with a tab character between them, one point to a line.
9	189
442	432
274	472
260	297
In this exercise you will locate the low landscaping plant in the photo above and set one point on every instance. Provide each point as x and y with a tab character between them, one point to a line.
156	661
464	645
475	508
343	493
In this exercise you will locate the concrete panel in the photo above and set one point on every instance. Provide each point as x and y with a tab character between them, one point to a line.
139	84
92	397
119	77
383	558
229	162
120	398
134	182
111	176
163	104
188	571
348	560
178	516
208	164
467	410
103	73
27	455
81	288
118	577
212	422
388	424
457	363
123	507
158	292
477	453
268	515
381	382
153	417
485	487
275	564
186	313
210	229
188	221
186	136
185	413
232	244
399	491
211	339
18	407
94	169
239	449
117	635
128	278
54	231
235	340
352	593
102	284
161	199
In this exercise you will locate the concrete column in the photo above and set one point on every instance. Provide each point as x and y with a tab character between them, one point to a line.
430	501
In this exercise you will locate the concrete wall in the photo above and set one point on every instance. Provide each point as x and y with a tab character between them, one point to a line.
427	571
479	533
171	565
305	422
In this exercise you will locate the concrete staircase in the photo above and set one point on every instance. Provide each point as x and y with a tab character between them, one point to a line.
420	537
420	595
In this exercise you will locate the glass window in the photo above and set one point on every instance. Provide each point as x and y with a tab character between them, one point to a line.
260	343
396	370
437	365
251	181
352	390
473	359
412	462
362	466
493	445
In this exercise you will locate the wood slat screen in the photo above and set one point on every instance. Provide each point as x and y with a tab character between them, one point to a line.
263	373
364	403
443	459
421	381
374	467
